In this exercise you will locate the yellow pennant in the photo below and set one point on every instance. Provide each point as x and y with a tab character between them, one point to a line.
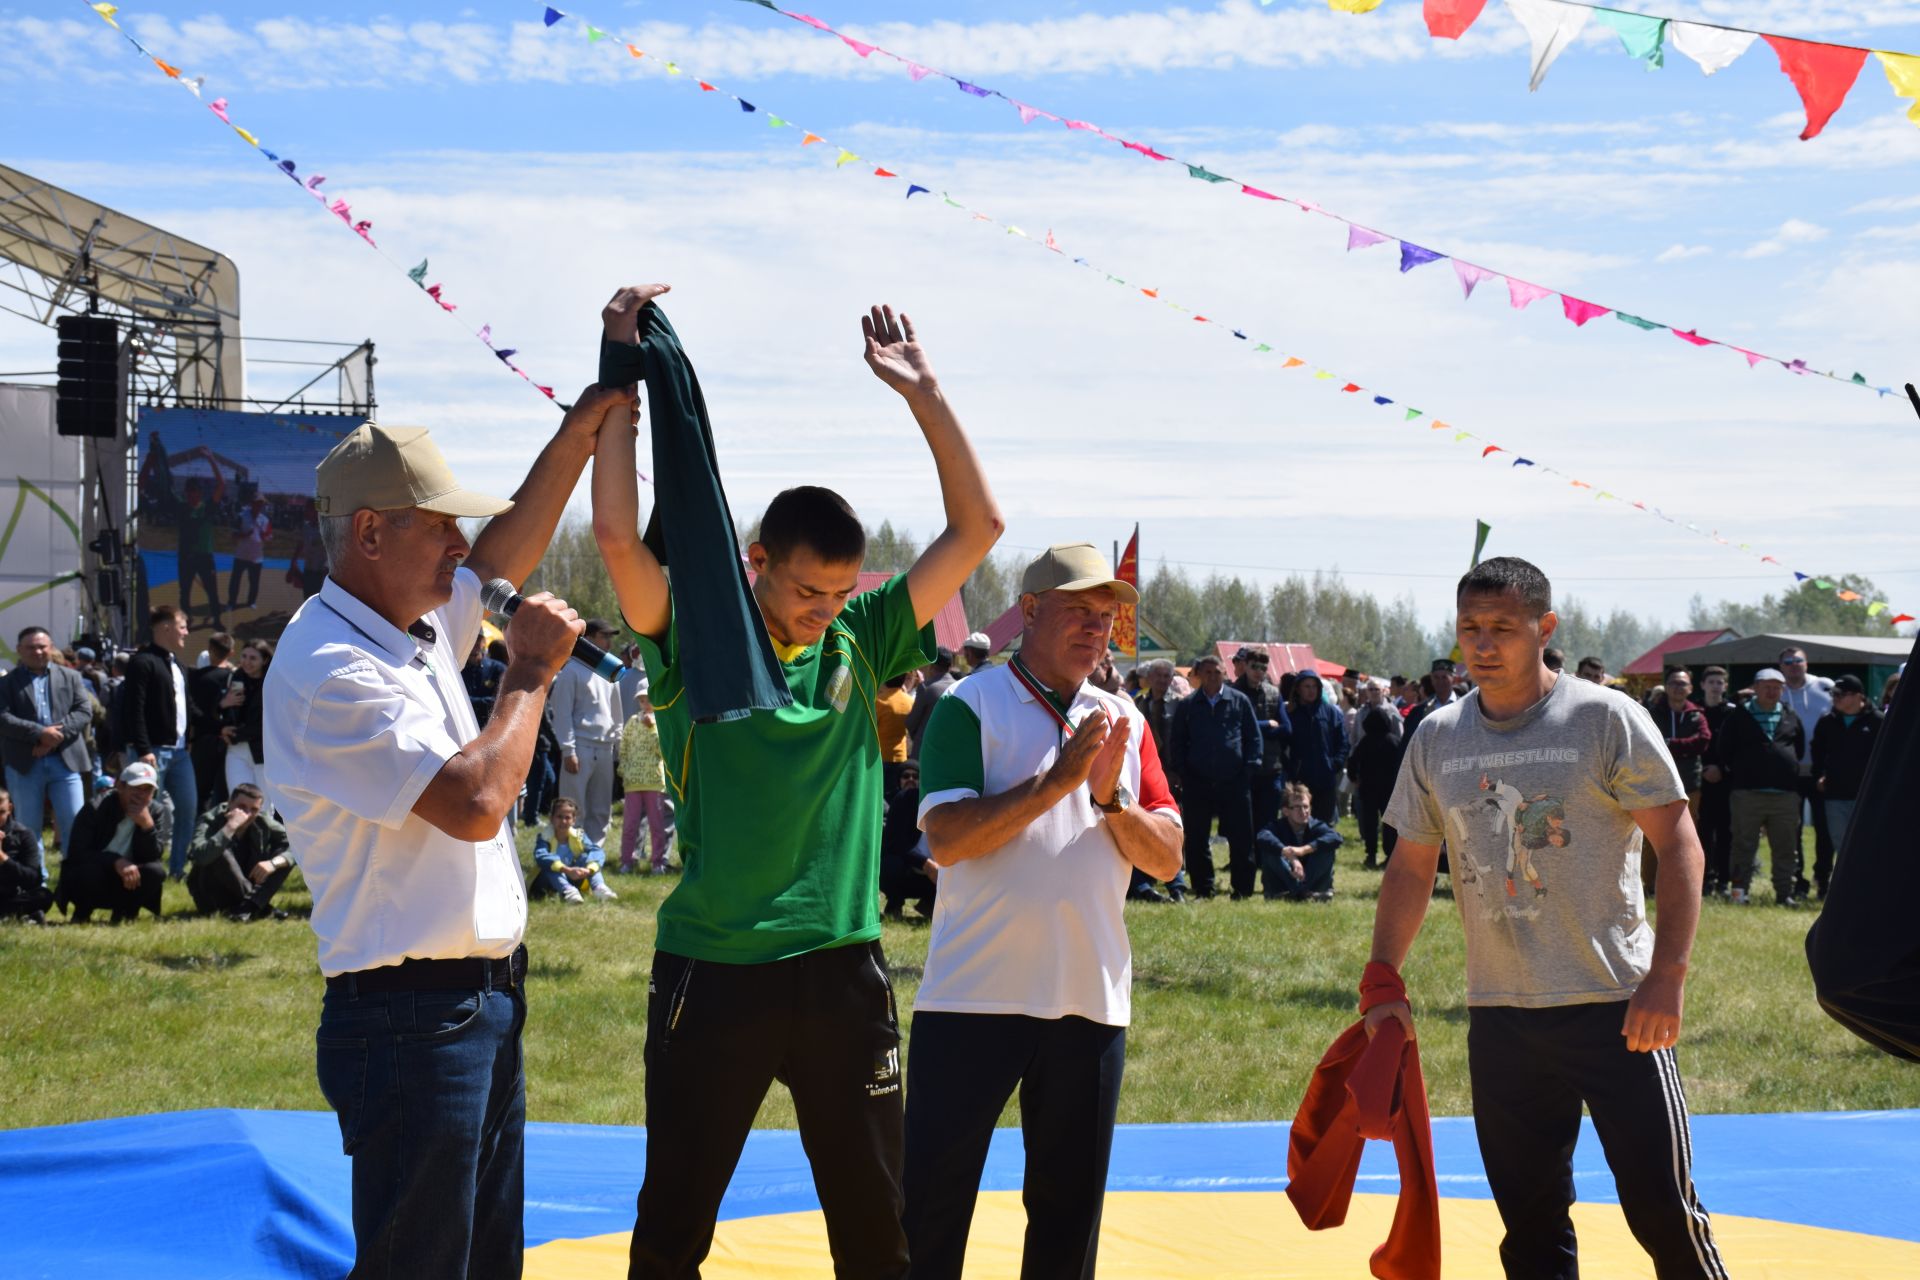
106	12
1903	73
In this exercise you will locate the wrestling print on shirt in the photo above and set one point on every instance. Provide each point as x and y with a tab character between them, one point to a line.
1498	840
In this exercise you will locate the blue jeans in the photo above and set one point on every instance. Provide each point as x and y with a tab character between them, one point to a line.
431	1093
176	779
553	882
30	789
1839	814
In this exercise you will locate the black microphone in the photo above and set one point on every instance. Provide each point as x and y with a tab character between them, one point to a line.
499	597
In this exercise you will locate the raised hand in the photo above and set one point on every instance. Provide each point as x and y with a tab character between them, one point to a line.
598	407
620	318
894	353
1103	779
1075	761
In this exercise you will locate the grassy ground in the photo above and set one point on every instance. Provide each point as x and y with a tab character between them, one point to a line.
1233	1004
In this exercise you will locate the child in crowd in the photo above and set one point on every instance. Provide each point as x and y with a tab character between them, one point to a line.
567	859
1295	850
645	777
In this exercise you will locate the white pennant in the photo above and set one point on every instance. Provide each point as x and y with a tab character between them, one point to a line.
1551	26
1714	48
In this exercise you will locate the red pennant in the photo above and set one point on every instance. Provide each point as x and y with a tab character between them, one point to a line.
1898	618
1823	73
1351	386
1448	19
884	173
1490	450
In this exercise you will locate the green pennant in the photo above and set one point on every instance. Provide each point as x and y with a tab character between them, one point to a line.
950	200
419	274
1860	378
1414	413
1637	322
595	35
1195	171
775	122
1823	584
1263	347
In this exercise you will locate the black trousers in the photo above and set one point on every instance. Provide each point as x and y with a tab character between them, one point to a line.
198	567
1265	794
250	569
96	885
718	1036
1367	811
1232	805
1276	877
1822	840
1716	832
962	1070
221	885
1530	1070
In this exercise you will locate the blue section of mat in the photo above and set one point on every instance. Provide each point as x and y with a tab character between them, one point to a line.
214	1194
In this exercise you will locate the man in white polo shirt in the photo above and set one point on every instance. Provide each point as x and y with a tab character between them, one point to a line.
1040	795
395	803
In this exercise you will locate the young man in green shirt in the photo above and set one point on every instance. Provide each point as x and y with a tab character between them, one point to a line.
768	963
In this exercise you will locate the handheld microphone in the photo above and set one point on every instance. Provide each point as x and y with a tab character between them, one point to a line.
500	597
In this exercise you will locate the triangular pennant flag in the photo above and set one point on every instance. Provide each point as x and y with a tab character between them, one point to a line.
1458	436
1412	255
1437	425
775	122
1551	26
419	274
219	107
1523	462
1412	414
1580	312
1151	293
1877	608
1236	332
1903	73
1714	48
1449	19
1823	584
106	12
1470	276
705	87
885	173
1257	193
1055	244
673	69
1848	596
810	20
1490	450
1520	293
1581	484
1639	34
553	15
1322	374
1264	347
846	157
340	210
811	138
172	72
913	191
744	104
1027	113
636	51
1351	386
594	34
973	89
1688	335
857	46
1381	400
249	137
1205	175
1353	6
918	72
1293	362
1637	322
1823	73
1899	618
1753	357
486	334
1860	378
1359	237
365	231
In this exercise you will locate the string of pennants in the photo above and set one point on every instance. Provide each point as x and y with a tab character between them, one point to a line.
312	185
1047	243
1520	293
362	228
1822	72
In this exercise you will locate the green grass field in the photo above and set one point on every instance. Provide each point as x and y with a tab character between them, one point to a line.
1233	1004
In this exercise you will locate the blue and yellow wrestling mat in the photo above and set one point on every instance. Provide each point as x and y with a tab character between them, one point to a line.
207	1194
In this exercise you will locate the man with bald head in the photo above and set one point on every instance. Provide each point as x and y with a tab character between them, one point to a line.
1040	795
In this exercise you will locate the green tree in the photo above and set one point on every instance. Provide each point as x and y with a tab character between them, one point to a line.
1806	609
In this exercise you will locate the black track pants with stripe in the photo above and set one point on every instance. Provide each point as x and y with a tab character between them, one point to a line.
1531	1069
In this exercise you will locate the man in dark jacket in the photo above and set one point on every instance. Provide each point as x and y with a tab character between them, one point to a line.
205	743
240	858
1716	815
1250	666
23	891
1760	759
113	857
1297	851
1684	727
1442	679
1316	744
154	723
1842	744
1216	754
45	709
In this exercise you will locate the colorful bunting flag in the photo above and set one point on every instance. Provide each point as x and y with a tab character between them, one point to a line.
1360	238
1195	171
1714	48
1636	321
1449	19
914	190
1412	255
1470	276
1903	73
846	157
1353	6
1823	74
1580	312
1551	26
1520	293
1640	35
552	15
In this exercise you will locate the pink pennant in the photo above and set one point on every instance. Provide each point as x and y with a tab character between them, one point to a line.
313	183
858	46
1580	312
810	20
918	72
1359	237
1823	73
1690	336
1142	148
365	231
1521	294
1470	276
1753	357
219	107
1027	113
1257	193
1051	242
486	334
433	291
340	210
545	391
1082	124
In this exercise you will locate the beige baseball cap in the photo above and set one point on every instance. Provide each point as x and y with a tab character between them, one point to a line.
388	468
1074	566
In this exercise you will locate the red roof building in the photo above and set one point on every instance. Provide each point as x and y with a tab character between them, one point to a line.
1654	661
1283	657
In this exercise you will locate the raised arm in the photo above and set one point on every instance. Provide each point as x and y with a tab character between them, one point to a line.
974	522
511	545
639	582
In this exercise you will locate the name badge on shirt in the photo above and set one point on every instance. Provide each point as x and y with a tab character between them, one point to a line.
839	688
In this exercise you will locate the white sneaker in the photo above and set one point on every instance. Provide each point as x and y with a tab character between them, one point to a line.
568	893
605	894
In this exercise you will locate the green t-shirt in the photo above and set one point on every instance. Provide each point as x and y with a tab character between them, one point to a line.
779	813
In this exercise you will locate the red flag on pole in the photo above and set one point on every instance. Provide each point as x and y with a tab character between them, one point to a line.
1126	630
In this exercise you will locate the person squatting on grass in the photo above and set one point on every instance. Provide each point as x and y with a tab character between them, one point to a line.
1296	850
1041	794
768	962
566	858
395	803
1542	786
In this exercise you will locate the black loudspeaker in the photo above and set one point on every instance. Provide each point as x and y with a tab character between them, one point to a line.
106	588
91	394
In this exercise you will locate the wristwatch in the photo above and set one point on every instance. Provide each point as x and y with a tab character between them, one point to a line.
1121	802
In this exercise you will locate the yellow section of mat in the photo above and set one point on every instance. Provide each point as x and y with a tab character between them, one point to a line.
1238	1235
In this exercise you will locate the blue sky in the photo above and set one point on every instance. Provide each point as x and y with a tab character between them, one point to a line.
537	172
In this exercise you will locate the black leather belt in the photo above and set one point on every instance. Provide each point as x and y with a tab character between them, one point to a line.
436	975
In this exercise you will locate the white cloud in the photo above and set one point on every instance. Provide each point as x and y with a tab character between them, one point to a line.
1887	204
1681	252
1791	233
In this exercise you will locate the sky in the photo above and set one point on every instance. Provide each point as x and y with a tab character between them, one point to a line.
536	172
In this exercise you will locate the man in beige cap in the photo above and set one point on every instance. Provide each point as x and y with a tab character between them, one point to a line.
1039	795
395	805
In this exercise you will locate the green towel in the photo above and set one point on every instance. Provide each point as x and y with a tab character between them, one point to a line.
726	657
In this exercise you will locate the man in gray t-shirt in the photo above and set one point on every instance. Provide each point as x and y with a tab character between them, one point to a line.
1541	787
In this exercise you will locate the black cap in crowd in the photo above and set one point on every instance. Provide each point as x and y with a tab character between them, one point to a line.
1848	684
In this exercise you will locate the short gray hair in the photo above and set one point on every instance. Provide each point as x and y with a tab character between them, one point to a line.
336	532
1159	666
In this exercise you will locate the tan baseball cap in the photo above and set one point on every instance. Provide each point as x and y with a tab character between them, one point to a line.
388	468
1074	566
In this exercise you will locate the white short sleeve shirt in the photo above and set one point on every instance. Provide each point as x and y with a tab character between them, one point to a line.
360	716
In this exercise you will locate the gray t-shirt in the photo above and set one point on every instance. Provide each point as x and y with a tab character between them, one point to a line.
1541	843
